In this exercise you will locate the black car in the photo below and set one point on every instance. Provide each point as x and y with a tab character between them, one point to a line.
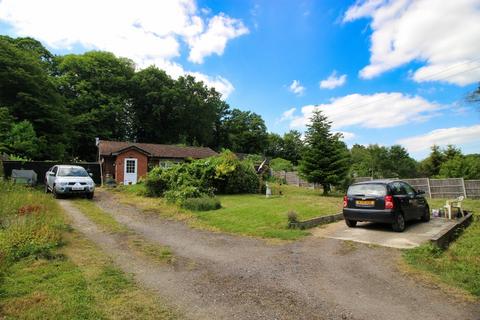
385	201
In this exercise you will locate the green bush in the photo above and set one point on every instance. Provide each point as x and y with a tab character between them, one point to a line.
181	194
202	204
292	217
156	183
243	179
223	174
279	164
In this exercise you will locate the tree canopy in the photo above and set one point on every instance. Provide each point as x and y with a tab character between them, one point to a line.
53	108
325	159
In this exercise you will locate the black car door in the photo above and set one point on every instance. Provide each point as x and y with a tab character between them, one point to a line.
402	199
412	201
421	203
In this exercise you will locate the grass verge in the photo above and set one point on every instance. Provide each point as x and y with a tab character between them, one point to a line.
459	265
136	243
49	271
246	214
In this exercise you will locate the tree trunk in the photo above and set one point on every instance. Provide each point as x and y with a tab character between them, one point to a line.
326	189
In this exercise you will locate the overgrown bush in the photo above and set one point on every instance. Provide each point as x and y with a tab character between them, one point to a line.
156	184
279	164
183	193
222	174
243	179
202	204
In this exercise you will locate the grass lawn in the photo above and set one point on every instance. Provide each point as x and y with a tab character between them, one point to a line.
459	265
48	271
247	214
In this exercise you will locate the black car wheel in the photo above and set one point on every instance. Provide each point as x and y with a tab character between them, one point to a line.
90	195
426	214
399	224
351	223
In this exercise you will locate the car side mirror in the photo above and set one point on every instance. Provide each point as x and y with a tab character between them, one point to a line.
420	192
51	174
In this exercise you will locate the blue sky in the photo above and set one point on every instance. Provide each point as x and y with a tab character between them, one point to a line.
399	70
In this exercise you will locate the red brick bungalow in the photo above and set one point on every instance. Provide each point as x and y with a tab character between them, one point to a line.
126	162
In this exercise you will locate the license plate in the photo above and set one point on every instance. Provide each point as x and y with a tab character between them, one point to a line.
77	188
365	202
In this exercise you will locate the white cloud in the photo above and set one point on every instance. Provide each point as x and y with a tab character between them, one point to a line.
220	30
380	110
333	81
443	34
221	84
296	88
442	137
288	115
148	32
346	135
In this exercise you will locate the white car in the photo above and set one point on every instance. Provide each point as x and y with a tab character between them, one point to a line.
65	179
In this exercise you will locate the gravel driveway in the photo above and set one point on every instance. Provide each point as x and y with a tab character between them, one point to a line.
220	276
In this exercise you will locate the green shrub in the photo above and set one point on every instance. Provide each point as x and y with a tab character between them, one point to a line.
179	195
156	183
202	204
279	164
243	179
292	217
223	174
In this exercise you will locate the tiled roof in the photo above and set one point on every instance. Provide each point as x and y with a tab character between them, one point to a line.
108	148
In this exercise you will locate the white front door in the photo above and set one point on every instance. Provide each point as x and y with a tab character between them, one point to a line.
130	171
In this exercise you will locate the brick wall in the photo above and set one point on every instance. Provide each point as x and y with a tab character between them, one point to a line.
142	164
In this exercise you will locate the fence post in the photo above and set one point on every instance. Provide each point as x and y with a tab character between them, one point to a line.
464	189
429	189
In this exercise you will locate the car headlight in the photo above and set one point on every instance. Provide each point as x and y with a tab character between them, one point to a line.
63	183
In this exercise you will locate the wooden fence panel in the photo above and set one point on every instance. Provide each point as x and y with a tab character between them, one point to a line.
420	184
472	187
362	179
434	188
447	188
292	178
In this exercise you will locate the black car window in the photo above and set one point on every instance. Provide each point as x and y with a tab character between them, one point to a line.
408	188
397	188
367	189
55	169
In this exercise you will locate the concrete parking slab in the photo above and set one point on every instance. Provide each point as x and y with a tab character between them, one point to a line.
414	235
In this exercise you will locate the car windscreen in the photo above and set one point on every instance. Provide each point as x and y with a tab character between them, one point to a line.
72	172
367	189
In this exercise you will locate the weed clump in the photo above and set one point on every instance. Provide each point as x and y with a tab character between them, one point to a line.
293	221
30	223
202	204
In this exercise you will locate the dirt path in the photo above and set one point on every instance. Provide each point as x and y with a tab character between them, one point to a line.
221	276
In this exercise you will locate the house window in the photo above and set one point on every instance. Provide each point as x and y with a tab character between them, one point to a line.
130	166
165	164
